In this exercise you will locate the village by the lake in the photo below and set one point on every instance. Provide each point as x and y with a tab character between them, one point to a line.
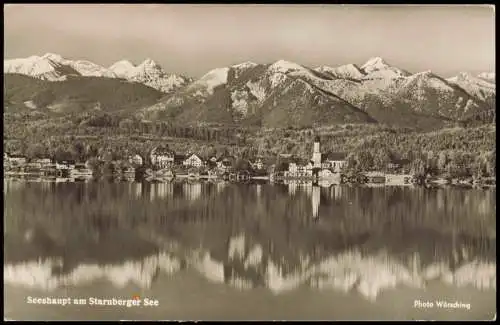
165	165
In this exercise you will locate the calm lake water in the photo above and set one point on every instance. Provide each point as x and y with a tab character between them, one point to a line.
220	251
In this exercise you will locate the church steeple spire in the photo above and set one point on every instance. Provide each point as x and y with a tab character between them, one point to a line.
316	158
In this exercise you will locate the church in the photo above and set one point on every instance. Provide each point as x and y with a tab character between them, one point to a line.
320	165
333	161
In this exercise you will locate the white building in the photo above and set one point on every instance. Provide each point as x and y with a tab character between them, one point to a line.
193	161
43	161
297	170
17	160
136	160
325	173
65	165
162	157
6	160
34	165
335	161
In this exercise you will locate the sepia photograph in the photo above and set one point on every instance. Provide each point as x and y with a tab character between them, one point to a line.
249	162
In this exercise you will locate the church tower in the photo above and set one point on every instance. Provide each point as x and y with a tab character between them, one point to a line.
316	158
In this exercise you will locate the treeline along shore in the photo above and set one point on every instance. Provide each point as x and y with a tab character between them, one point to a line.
105	145
160	163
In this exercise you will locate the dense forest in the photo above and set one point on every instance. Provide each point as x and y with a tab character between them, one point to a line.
467	150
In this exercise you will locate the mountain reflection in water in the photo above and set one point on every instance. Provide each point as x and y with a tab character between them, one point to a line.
249	235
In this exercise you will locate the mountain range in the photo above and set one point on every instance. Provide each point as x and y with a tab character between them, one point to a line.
53	67
281	94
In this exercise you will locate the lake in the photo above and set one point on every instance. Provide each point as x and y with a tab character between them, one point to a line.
222	251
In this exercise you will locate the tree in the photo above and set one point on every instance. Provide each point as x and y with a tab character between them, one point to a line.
35	151
80	152
490	163
242	164
365	160
478	168
381	159
95	165
63	154
442	161
418	167
352	162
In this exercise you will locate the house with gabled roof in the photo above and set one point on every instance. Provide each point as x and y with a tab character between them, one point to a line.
162	157
179	159
335	161
193	161
136	160
17	160
42	161
297	168
212	162
225	162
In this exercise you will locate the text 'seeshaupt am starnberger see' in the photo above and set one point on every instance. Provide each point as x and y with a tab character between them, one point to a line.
93	301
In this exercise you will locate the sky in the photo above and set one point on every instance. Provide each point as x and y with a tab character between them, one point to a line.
192	39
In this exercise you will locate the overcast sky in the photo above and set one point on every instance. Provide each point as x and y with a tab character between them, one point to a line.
192	39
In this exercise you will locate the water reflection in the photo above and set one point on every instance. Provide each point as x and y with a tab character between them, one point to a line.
358	239
137	189
315	198
160	190
192	191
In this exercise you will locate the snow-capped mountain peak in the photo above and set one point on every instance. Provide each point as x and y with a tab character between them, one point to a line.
427	73
374	64
122	63
284	66
149	73
90	69
123	68
149	62
149	67
212	79
347	71
465	76
54	67
47	67
490	76
53	57
378	68
244	65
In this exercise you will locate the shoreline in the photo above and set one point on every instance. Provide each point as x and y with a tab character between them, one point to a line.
270	180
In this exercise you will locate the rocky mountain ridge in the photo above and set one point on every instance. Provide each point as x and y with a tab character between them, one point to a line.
287	94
